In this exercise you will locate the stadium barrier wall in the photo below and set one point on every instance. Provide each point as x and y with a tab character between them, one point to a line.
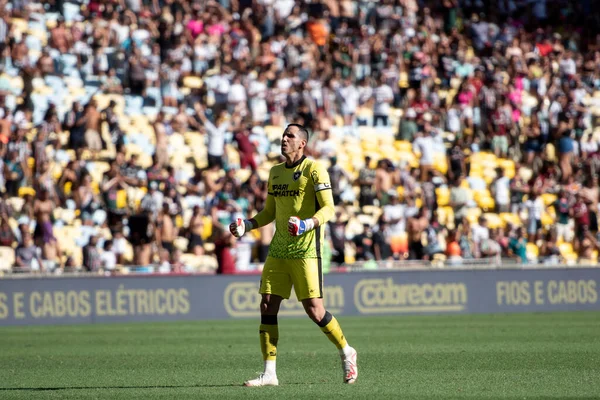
32	301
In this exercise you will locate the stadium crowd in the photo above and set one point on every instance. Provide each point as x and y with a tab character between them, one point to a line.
133	132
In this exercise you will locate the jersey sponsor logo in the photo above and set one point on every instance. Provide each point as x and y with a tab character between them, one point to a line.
315	176
380	296
284	191
241	299
297	175
322	186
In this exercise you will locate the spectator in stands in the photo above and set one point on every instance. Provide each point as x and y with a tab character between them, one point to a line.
166	232
364	244
518	245
43	235
92	260
195	231
246	148
493	87
381	241
337	233
224	242
459	199
108	258
28	256
366	182
7	236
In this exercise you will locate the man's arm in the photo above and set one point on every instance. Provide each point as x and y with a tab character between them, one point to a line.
327	210
266	215
325	204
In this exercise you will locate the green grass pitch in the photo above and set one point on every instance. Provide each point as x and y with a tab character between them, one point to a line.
518	356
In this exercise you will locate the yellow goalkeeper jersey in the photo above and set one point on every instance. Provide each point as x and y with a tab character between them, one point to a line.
302	190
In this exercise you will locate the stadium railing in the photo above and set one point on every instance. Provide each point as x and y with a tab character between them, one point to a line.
360	266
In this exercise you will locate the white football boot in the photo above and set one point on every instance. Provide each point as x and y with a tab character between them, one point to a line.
350	367
263	379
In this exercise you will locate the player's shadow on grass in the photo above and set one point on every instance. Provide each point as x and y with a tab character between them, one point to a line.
43	389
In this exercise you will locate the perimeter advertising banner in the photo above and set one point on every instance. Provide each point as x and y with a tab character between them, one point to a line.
168	298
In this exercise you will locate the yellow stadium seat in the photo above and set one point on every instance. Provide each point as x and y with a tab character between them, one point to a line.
24	191
440	164
67	188
403	145
532	251
400	191
486	203
570	258
547	219
494	221
565	248
443	196
548	198
207	228
511	218
192	82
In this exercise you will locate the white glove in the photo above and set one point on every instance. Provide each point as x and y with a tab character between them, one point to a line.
239	227
297	226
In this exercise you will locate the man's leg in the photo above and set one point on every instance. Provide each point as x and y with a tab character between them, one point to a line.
275	286
269	335
269	330
330	326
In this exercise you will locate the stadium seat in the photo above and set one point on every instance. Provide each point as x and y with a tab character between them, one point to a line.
532	252
440	163
16	203
443	196
565	248
548	198
493	220
273	132
402	145
547	219
192	82
570	258
473	215
7	258
209	247
198	262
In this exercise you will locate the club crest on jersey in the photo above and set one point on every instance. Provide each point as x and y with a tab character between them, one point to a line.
297	175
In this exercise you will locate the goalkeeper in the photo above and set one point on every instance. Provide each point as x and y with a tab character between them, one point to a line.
300	202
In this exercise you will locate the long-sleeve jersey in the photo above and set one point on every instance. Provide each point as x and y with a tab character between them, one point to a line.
302	190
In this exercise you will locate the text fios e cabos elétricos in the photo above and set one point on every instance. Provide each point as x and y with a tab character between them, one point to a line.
552	292
100	303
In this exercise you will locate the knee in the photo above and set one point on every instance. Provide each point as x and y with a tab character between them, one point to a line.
315	312
268	306
264	307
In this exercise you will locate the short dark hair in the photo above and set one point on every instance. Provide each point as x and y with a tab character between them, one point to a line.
302	129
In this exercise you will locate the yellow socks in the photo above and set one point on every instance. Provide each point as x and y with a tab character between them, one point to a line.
269	335
330	326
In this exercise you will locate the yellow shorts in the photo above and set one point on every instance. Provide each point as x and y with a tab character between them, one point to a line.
305	274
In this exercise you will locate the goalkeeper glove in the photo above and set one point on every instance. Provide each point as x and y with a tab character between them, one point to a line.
297	226
239	227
